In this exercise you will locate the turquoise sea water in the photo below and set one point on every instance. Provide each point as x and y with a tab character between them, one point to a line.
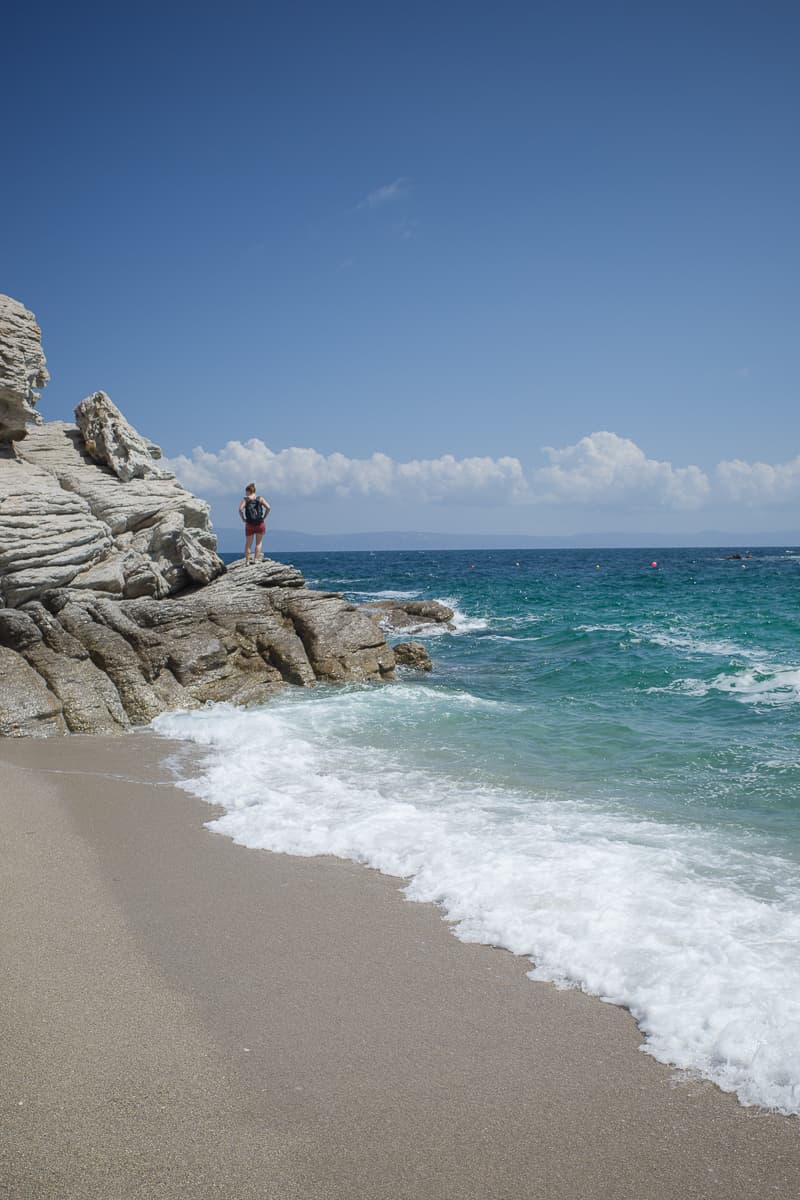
602	773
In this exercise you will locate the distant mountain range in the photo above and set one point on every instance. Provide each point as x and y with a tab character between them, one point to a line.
283	540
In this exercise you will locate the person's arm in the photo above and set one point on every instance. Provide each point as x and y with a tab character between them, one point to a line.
241	510
261	500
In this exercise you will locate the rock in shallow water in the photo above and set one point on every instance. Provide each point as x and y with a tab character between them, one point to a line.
408	614
412	655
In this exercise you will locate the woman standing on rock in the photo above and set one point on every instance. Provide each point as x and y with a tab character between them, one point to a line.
254	511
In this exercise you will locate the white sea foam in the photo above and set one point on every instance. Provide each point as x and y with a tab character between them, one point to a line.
696	645
749	685
518	620
695	932
460	624
507	637
779	685
600	628
386	594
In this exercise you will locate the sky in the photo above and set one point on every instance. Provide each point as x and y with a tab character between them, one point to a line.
509	267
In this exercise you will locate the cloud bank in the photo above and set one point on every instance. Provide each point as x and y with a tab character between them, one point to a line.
601	470
604	468
303	472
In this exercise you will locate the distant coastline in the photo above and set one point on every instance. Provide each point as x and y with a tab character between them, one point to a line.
283	540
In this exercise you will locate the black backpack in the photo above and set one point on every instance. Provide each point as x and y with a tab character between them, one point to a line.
254	512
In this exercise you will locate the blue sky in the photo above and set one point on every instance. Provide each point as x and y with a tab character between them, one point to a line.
540	259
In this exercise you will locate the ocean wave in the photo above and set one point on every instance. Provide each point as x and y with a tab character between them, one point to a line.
752	685
385	594
507	637
600	629
696	933
695	645
761	686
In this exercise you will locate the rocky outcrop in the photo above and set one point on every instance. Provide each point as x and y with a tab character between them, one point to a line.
126	531
22	369
114	605
412	655
77	662
110	440
410	614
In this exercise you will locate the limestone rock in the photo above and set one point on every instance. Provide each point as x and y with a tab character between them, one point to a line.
22	369
47	534
410	614
110	440
64	519
412	655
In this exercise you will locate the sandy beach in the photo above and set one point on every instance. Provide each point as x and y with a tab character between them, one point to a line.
185	1017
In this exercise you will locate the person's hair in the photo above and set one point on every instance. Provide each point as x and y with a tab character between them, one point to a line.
251	487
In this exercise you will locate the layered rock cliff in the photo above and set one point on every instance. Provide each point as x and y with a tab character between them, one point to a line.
22	369
114	605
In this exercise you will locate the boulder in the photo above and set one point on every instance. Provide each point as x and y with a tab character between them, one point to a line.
410	614
22	369
110	440
412	655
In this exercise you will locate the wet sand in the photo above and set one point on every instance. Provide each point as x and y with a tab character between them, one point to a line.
183	1017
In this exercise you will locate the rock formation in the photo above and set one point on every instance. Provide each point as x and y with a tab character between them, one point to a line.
77	661
22	368
114	605
410	614
412	655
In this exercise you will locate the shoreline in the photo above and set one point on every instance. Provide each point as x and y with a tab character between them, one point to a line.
185	1016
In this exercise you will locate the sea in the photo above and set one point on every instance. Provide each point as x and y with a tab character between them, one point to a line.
601	774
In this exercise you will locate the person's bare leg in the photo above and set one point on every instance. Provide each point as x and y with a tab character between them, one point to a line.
259	540
248	542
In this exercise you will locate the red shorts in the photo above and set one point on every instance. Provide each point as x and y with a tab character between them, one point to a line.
251	529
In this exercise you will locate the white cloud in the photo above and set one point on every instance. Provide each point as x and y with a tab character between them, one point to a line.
759	483
602	469
605	468
385	194
301	471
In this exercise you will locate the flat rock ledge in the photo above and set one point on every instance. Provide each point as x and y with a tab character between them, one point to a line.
73	662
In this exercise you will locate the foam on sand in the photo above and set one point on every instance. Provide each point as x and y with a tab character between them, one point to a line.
696	931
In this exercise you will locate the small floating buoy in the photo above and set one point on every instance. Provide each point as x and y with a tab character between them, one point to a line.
654	563
597	566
